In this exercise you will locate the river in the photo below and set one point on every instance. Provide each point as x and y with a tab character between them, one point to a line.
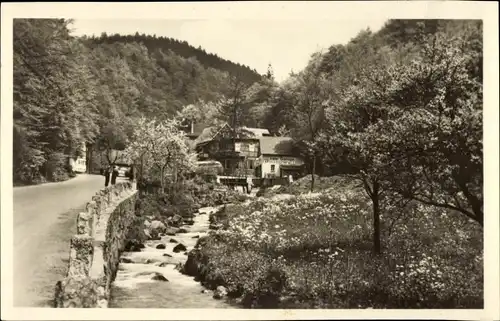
134	286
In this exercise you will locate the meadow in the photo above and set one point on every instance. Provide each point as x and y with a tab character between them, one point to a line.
314	250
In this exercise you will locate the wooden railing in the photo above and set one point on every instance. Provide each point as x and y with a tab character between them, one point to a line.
238	172
256	181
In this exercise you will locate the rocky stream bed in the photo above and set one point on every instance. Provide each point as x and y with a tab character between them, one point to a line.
149	275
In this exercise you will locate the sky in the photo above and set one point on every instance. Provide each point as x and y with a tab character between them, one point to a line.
285	44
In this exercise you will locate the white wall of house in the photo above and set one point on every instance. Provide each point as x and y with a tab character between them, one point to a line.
271	164
79	164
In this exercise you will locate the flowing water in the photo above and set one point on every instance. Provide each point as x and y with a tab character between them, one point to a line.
134	286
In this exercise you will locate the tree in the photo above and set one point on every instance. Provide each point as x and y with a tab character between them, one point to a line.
54	112
201	112
410	123
161	148
231	107
358	102
259	99
270	73
310	94
434	151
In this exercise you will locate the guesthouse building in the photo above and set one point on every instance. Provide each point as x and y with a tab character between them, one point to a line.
237	150
277	159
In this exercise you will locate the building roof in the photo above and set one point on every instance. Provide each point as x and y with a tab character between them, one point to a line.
209	133
276	145
258	132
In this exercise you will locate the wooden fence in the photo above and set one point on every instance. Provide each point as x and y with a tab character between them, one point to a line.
257	182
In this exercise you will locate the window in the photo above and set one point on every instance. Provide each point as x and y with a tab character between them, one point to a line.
250	164
273	167
251	148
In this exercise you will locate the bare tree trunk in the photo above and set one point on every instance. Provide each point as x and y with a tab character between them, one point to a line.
313	172
376	218
141	177
162	178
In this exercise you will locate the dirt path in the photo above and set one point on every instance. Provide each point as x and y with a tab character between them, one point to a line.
44	221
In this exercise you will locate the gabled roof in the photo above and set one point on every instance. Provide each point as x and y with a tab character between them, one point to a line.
210	133
276	145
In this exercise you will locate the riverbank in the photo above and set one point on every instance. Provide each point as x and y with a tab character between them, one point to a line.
314	250
149	276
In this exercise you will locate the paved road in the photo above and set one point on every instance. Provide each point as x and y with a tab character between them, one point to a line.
44	221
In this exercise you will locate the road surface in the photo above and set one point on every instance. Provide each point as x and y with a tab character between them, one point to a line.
44	221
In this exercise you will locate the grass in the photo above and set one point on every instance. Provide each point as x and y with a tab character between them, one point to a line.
315	251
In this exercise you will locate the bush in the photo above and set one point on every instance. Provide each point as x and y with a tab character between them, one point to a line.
183	198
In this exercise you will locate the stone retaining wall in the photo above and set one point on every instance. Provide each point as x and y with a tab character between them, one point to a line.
95	249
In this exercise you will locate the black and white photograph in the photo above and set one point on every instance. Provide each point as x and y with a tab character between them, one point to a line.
227	163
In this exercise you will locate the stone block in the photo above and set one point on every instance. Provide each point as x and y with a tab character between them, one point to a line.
93	212
81	254
77	292
84	223
98	207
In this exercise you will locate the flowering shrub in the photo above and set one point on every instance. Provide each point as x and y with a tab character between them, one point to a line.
315	250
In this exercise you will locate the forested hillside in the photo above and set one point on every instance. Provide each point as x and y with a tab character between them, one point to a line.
185	50
69	91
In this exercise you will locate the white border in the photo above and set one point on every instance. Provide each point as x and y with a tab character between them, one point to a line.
488	11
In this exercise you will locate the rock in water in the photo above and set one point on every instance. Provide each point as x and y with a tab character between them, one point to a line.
220	292
173	241
182	230
156	228
171	231
180	248
147	234
179	266
159	277
196	237
161	246
133	246
150	261
166	254
176	220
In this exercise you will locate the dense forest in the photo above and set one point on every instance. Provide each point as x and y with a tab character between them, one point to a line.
70	91
183	49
